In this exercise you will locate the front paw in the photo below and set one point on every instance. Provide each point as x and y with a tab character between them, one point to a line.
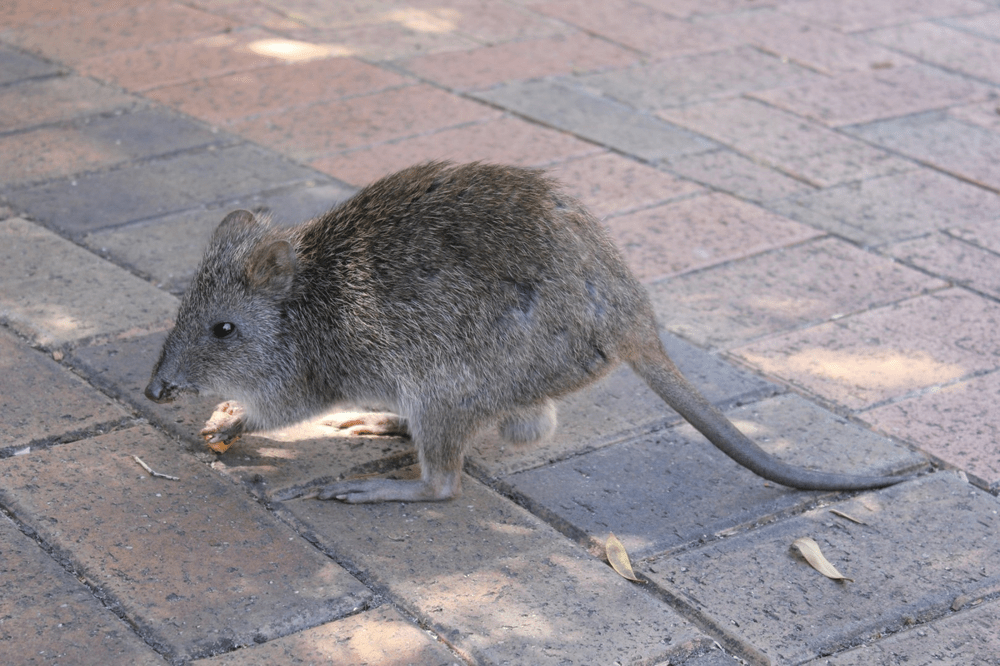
224	427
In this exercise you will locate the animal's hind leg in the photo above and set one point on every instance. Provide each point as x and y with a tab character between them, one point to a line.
531	424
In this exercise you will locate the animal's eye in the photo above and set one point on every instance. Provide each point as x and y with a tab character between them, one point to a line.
223	329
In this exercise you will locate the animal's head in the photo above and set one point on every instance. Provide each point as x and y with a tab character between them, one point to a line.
229	337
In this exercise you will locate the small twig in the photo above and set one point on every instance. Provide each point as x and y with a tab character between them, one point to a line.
151	472
850	518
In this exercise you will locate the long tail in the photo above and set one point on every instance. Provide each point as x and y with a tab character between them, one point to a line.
665	379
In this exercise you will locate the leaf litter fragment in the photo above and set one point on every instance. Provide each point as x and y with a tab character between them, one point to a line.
850	518
814	556
618	558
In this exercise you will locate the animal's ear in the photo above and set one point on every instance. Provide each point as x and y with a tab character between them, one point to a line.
272	268
237	222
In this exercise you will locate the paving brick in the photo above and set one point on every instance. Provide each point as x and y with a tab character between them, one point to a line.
401	35
195	565
957	424
171	63
923	544
26	12
962	638
16	66
699	232
861	97
985	24
158	187
672	489
883	354
168	250
55	99
984	233
731	172
506	140
94	143
778	291
482	20
50	617
694	8
226	99
698	78
804	42
618	408
985	115
41	403
337	126
892	208
940	45
509	589
952	259
380	636
484	67
638	26
56	293
610	184
81	37
857	15
967	151
596	119
803	149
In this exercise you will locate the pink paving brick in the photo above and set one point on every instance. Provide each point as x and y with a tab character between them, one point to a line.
985	115
333	127
52	152
699	232
954	260
958	424
230	98
79	38
638	26
984	24
609	184
805	43
54	99
937	44
484	20
809	283
484	67
800	148
179	62
23	13
860	97
503	140
386	40
689	8
887	353
855	15
984	233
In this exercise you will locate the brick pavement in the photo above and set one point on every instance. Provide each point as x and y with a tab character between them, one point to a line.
809	189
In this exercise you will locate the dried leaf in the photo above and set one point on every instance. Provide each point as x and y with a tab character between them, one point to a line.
814	556
619	558
850	518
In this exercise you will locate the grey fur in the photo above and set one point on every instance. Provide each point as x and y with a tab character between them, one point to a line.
459	296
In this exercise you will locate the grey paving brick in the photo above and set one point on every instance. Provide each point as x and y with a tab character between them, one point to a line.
778	291
168	249
381	636
964	263
923	545
156	188
15	66
731	172
41	403
697	78
892	208
56	293
968	151
619	407
498	584
968	637
49	617
671	489
597	119
57	98
195	565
